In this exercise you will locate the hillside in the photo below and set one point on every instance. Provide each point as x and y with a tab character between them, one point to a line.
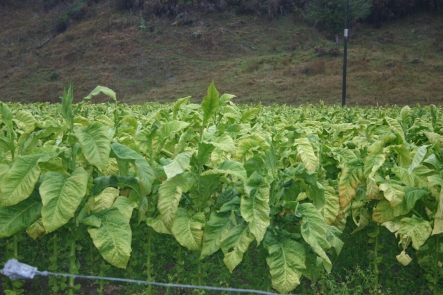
278	61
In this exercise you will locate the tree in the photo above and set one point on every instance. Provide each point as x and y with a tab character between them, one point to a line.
331	13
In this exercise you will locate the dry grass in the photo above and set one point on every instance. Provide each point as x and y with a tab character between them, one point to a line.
268	61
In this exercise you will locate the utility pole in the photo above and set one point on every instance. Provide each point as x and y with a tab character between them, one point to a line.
345	56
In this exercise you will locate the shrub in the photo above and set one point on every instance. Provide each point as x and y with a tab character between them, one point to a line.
330	15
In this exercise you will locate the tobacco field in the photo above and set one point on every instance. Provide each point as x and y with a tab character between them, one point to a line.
106	188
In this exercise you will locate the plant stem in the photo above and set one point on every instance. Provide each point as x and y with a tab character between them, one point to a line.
376	261
15	244
437	248
199	265
179	261
148	261
72	267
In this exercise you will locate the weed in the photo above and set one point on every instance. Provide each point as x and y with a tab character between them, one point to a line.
54	75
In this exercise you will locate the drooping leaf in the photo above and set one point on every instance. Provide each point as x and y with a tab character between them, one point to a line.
235	244
255	206
178	165
224	143
435	138
418	157
286	261
249	114
25	120
188	230
229	167
403	258
372	164
306	154
157	224
36	229
178	104
105	199
61	197
105	90
125	206
384	211
350	179
393	193
170	193
248	147
19	182
331	208
144	170
314	232
396	127
113	237
414	229
216	229
95	141
18	217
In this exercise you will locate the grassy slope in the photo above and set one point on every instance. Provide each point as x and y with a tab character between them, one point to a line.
257	60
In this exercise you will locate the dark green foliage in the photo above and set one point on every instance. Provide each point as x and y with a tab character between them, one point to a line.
385	10
330	15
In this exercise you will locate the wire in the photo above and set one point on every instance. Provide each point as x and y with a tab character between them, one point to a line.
44	273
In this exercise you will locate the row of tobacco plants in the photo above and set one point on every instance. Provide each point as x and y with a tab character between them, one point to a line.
217	176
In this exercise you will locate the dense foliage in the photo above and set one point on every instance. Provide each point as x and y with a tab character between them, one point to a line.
222	177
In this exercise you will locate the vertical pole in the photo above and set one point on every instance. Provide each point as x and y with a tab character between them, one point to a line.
345	56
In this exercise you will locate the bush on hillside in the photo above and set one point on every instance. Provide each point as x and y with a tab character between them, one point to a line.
330	15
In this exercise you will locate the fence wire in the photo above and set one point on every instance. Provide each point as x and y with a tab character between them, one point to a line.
16	270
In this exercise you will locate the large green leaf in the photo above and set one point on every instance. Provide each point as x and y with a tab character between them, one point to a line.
372	164
229	167
144	171
178	165
235	244
438	218
113	237
210	103
19	182
396	127
16	218
414	229
125	206
254	207
435	138
314	231
248	147
169	195
331	208
102	89
95	141
384	211
188	230
418	157
393	193
218	226
306	154
224	143
61	197
286	261
350	178
25	121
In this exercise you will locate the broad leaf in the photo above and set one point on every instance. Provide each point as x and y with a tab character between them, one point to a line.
61	197
170	193
229	167
393	193
216	229
414	229
286	261
224	143
306	154
95	141
19	182
255	206
113	237
188	230
314	232
350	178
102	89
210	103
178	165
235	244
16	218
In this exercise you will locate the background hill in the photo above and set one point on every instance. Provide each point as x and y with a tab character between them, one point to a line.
162	56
